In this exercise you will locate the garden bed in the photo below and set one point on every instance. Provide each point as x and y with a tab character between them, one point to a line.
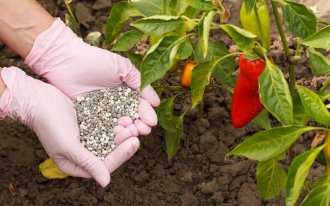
198	175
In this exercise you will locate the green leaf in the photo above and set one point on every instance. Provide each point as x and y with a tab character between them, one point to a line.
200	4
94	38
271	178
267	144
178	7
249	5
136	59
319	195
173	137
156	64
299	115
158	25
72	23
297	174
324	95
314	106
300	19
320	39
200	79
223	71
149	7
127	40
263	120
204	31
191	12
165	114
275	94
185	50
245	40
119	14
319	64
173	126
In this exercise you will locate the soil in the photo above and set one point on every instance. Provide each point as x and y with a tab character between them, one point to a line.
198	175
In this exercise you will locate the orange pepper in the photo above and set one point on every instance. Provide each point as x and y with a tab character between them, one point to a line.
185	76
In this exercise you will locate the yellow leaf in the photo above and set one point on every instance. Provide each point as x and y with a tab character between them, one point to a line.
49	170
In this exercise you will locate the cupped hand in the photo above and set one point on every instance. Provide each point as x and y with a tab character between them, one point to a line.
51	115
77	68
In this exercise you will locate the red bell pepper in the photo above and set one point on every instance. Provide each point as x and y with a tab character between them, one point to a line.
246	101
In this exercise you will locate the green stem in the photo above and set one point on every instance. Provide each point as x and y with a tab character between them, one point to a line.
223	86
325	85
292	78
67	4
320	21
280	29
286	47
263	38
169	88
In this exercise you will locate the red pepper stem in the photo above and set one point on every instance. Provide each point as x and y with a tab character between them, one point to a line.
263	38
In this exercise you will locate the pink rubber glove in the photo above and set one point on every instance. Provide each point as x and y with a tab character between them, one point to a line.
51	115
77	68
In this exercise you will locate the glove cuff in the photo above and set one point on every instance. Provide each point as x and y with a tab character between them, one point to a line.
8	76
48	40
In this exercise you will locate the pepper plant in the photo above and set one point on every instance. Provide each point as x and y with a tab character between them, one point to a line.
179	31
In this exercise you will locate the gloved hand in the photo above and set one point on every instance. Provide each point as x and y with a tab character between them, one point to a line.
51	115
77	68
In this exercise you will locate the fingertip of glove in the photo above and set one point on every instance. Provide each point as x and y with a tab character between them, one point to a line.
104	180
150	95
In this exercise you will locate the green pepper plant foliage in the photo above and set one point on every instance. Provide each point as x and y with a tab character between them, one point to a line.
179	30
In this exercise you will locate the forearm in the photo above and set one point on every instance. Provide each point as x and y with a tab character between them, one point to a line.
20	24
2	84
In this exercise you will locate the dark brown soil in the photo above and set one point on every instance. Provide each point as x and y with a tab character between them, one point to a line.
199	174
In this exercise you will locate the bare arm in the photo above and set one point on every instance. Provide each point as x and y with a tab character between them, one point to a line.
21	22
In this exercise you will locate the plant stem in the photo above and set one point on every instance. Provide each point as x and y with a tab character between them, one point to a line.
286	47
292	78
280	29
169	88
76	23
223	86
320	21
325	85
263	38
